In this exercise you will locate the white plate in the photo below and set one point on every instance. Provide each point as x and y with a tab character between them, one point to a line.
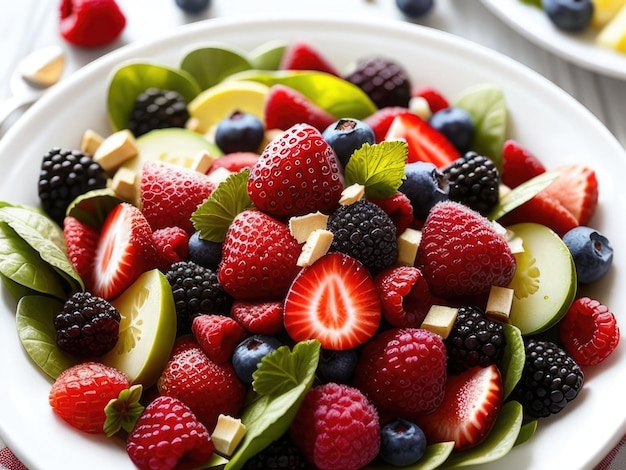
580	49
548	121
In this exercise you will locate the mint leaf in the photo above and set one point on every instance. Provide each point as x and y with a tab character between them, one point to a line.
523	193
213	217
378	167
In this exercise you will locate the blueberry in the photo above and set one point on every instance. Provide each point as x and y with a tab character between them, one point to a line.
425	186
401	442
415	8
248	354
193	6
456	124
337	366
569	15
347	135
204	252
239	132
592	253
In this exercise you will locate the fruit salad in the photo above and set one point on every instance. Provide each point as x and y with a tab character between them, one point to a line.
279	258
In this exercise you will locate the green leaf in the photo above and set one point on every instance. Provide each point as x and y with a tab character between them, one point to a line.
527	432
133	78
268	56
378	167
93	206
512	364
124	411
337	96
487	106
16	289
34	320
213	217
534	3
269	416
434	456
522	193
211	64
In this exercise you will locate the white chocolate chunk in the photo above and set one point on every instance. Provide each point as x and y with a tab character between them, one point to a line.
124	183
315	247
219	175
440	320
419	105
90	142
408	242
202	161
499	304
44	67
116	149
301	226
227	434
352	194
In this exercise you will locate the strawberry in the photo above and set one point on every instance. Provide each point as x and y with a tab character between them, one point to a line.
81	240
286	106
381	120
399	208
170	194
335	301
300	55
403	372
263	318
91	23
204	386
217	335
425	142
172	244
124	252
405	296
336	427
168	435
589	331
234	161
469	409
518	164
80	393
461	253
577	190
297	173
435	99
259	257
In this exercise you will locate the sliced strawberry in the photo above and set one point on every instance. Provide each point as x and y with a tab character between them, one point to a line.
124	252
286	107
300	55
518	164
234	161
469	409
335	301
218	335
81	241
425	143
577	190
435	99
380	120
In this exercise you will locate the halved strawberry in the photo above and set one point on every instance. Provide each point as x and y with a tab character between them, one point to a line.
285	107
124	251
577	190
425	143
518	164
435	99
300	55
469	408
81	241
380	120
335	301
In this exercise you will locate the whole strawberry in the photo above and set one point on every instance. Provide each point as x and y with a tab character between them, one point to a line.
403	371
168	435
259	257
80	393
336	427
91	23
297	173
461	253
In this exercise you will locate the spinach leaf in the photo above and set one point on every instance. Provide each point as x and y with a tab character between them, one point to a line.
268	56
212	64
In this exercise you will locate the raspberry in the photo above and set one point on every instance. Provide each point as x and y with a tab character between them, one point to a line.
157	109
217	335
336	427
383	80
589	331
405	296
403	371
435	99
399	208
263	318
167	435
172	245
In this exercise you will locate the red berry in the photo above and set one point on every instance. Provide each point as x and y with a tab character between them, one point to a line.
300	55
589	331
518	164
234	162
576	189
435	99
217	335
405	296
172	245
381	119
167	435
81	240
263	318
403	372
91	23
81	392
399	208
336	427
286	107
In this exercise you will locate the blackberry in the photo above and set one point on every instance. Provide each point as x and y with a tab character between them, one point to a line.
196	291
383	80
364	231
474	181
281	454
157	109
87	325
550	379
64	175
474	340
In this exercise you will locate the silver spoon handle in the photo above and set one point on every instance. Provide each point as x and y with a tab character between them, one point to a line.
12	104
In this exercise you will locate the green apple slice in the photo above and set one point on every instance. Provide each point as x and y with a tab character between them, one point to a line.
545	281
147	329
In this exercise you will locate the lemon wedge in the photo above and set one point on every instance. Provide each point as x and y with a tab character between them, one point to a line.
604	11
613	35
